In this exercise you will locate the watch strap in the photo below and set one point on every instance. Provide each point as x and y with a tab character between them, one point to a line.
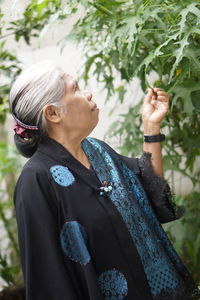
154	138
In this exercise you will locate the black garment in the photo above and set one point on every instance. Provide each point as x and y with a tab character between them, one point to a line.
68	236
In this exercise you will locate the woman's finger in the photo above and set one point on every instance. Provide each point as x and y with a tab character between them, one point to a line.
157	89
148	96
163	98
162	93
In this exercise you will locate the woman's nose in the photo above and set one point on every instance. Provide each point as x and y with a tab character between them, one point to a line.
88	95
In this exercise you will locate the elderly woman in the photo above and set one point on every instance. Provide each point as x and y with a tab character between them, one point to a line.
88	218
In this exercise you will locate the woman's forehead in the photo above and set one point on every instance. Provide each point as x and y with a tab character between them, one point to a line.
71	80
68	76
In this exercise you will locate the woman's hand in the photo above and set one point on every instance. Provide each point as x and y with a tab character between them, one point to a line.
155	107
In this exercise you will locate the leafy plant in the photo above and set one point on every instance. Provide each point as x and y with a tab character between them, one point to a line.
10	268
9	68
185	233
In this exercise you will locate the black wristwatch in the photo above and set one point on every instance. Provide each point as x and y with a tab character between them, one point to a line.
154	138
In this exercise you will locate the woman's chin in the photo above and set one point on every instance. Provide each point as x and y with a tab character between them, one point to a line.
94	124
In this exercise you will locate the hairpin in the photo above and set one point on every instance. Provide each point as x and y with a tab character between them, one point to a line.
25	126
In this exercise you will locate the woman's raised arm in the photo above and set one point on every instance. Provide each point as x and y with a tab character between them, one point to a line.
155	107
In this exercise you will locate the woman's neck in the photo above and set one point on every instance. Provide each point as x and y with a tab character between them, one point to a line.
73	145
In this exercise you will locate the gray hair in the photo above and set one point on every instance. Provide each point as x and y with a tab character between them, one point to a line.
42	84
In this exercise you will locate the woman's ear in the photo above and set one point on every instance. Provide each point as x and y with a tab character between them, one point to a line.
52	113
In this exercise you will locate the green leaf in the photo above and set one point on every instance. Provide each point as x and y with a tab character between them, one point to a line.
178	53
184	92
121	92
128	29
85	3
193	55
191	8
196	248
102	8
145	63
53	18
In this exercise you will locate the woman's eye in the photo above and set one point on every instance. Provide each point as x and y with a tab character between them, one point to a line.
77	88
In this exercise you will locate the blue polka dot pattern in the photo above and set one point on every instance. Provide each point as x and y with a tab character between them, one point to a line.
113	285
62	175
74	242
163	279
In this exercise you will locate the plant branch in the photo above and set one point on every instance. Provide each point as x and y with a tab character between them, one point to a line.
6	35
101	8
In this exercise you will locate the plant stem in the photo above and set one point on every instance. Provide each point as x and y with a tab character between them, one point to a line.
101	8
6	35
9	232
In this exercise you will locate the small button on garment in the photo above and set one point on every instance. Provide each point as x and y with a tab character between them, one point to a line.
106	188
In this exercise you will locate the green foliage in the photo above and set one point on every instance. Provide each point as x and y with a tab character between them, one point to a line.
10	268
9	69
185	233
37	18
130	128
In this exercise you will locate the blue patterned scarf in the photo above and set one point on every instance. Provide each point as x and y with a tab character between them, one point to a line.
166	274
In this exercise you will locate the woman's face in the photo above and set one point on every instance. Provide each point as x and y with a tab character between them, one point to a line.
81	112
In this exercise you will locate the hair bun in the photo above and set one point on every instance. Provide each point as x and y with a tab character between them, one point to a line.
27	146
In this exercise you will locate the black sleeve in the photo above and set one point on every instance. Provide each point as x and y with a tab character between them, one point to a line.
44	269
156	188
